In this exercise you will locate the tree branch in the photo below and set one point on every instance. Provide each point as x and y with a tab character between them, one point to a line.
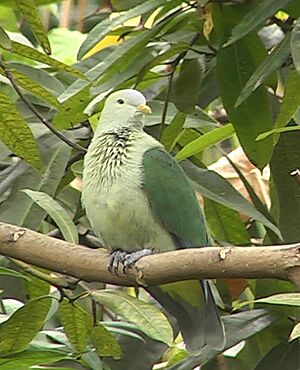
281	261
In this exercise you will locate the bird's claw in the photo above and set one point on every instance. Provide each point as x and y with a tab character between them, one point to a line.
128	260
116	258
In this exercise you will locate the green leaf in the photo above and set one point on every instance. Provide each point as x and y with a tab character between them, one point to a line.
71	112
33	87
145	316
18	331
295	332
225	223
15	133
293	9
105	342
286	158
291	100
238	327
106	26
77	324
173	50
26	359
277	131
255	18
187	85
213	186
205	141
287	299
57	213
4	39
30	13
34	54
18	208
123	328
235	65
271	63
139	351
123	55
36	287
295	44
170	133
77	168
283	356
11	272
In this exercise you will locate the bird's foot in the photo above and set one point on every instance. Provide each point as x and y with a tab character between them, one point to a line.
116	258
128	260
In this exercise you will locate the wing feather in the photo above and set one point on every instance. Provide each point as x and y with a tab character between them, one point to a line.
172	199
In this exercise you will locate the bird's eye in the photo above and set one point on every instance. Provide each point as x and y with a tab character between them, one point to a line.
120	101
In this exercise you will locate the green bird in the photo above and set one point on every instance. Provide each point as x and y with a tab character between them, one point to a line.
139	201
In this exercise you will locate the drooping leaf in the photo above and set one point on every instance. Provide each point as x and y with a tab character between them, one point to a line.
33	87
149	350
271	63
36	287
145	316
205	141
295	44
171	132
235	65
16	134
77	324
106	26
57	213
255	18
290	299
18	331
295	332
213	186
30	13
26	359
18	208
72	111
277	131
11	272
126	53
4	39
290	101
283	356
286	158
225	223
237	328
187	85
173	50
123	328
105	342
34	54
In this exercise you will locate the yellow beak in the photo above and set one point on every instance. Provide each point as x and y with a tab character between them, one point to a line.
143	108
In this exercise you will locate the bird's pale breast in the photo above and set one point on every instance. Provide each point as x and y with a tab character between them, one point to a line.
113	197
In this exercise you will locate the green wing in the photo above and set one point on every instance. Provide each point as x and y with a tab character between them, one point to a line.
174	203
172	199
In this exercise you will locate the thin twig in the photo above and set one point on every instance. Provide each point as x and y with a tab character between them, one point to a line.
56	281
166	103
48	124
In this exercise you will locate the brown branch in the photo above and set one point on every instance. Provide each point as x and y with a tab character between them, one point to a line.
281	261
29	105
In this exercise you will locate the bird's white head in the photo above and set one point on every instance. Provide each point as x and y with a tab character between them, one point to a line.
123	108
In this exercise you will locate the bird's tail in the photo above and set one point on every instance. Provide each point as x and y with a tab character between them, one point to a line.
192	304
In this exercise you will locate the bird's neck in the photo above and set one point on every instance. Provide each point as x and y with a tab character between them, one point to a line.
111	123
